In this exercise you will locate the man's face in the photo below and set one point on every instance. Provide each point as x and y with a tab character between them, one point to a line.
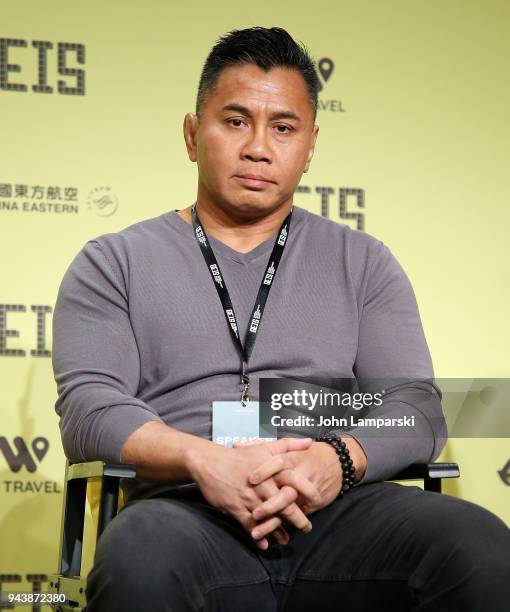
253	122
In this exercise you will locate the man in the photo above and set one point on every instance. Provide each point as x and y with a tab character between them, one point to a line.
147	337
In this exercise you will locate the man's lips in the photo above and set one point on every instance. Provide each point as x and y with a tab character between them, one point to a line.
253	180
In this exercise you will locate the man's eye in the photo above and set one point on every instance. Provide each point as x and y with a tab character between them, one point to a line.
281	128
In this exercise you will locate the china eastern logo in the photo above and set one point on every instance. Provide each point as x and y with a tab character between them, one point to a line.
102	201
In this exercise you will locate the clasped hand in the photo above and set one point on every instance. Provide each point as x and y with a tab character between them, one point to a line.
263	484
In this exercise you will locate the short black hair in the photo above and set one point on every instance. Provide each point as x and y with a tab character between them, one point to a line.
267	48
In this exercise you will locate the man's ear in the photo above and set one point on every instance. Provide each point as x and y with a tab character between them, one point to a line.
315	132
189	128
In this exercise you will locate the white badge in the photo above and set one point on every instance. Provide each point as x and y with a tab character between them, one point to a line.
232	422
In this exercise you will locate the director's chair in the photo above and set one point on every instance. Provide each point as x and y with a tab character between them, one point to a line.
69	580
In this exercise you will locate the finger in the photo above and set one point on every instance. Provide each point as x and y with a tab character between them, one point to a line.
265	491
301	483
297	517
276	503
292	513
284	445
247	521
263	544
290	444
266	527
248	443
281	536
269	468
282	505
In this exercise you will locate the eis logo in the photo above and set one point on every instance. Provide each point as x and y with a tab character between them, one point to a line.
283	236
269	274
255	320
200	235
16	56
216	274
232	320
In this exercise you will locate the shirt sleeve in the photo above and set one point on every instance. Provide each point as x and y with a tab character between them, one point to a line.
95	360
393	359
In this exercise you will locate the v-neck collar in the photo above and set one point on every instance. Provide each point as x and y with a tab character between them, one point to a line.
223	249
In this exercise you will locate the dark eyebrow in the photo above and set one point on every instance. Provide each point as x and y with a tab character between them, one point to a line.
239	108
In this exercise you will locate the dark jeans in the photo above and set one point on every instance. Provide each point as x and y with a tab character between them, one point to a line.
383	546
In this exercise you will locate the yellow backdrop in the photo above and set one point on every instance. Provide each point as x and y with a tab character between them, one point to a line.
413	148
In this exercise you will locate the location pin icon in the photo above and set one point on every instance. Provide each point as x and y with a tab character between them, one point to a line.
505	473
326	67
40	447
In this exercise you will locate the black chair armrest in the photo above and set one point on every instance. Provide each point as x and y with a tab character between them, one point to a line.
430	473
92	469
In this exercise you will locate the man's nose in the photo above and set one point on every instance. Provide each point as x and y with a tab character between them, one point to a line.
256	146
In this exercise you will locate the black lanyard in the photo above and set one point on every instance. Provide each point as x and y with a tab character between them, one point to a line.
260	302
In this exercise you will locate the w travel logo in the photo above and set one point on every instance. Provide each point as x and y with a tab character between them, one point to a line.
325	69
504	473
19	454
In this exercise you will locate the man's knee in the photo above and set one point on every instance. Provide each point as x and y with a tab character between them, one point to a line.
484	540
470	527
163	550
149	555
463	538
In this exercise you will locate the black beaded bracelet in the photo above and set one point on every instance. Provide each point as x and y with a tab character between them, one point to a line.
348	469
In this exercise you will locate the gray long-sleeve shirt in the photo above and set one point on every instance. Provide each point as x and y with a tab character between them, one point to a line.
139	334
